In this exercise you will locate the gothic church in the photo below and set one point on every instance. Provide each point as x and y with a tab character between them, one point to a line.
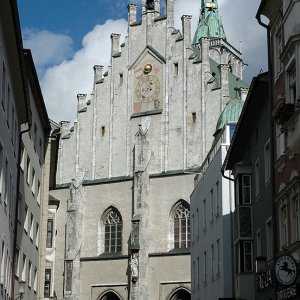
125	168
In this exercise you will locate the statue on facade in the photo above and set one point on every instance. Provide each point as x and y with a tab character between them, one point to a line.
134	266
149	4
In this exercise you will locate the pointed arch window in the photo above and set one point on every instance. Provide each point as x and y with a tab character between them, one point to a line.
182	226
113	231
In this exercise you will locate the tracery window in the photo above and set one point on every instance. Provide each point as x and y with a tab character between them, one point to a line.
182	226
113	231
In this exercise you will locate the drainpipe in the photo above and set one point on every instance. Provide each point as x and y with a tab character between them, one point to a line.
272	147
231	228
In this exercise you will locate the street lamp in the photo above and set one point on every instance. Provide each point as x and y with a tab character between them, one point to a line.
260	265
22	287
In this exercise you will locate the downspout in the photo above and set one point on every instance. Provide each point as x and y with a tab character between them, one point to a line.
270	66
231	228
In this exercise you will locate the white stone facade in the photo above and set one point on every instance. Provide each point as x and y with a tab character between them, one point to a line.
133	150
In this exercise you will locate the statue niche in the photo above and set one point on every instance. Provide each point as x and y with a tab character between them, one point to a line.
149	4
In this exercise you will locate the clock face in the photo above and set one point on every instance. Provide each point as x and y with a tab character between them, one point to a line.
286	270
147	88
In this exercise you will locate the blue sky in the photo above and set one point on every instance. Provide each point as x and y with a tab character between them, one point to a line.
68	38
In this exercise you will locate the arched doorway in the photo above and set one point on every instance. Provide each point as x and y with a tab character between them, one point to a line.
110	296
181	294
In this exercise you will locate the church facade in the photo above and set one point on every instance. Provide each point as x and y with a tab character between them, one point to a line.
125	168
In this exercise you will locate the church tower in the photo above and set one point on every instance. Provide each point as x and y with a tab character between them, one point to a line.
125	168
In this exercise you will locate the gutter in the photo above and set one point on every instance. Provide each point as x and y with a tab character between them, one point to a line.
272	133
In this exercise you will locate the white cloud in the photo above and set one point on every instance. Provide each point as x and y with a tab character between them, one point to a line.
62	82
47	48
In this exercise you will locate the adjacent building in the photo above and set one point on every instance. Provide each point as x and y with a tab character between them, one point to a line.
212	207
13	113
31	186
249	159
125	168
284	63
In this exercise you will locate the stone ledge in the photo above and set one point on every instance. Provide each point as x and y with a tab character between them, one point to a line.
146	113
105	256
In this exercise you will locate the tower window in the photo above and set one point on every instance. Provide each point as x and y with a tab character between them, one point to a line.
113	231
102	130
121	78
176	69
194	117
182	226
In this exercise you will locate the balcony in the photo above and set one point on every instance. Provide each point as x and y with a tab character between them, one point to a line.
293	130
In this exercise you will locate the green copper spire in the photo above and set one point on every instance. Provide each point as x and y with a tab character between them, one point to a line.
231	112
210	24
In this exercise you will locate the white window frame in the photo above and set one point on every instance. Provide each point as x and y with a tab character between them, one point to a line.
267	160
269	238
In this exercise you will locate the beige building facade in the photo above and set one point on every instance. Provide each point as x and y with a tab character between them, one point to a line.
125	168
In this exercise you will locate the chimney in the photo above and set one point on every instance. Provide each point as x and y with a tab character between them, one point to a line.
170	12
132	8
97	73
81	105
115	44
186	29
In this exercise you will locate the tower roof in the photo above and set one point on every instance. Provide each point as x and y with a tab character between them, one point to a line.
210	24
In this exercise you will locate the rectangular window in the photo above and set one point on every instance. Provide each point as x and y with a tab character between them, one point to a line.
37	234
212	261
244	189
33	180
280	141
277	50
26	219
49	241
217	200
267	162
23	273
29	274
41	149
198	222
292	78
247	256
218	256
176	69
269	238
258	243
35	282
283	226
102	130
204	264
3	96
6	183
257	179
22	165
1	173
296	213
28	170
194	277
35	136
2	262
204	214
194	117
121	78
198	272
47	287
38	197
17	263
212	204
31	227
8	106
69	271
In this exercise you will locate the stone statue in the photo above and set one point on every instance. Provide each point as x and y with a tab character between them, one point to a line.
134	266
149	4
